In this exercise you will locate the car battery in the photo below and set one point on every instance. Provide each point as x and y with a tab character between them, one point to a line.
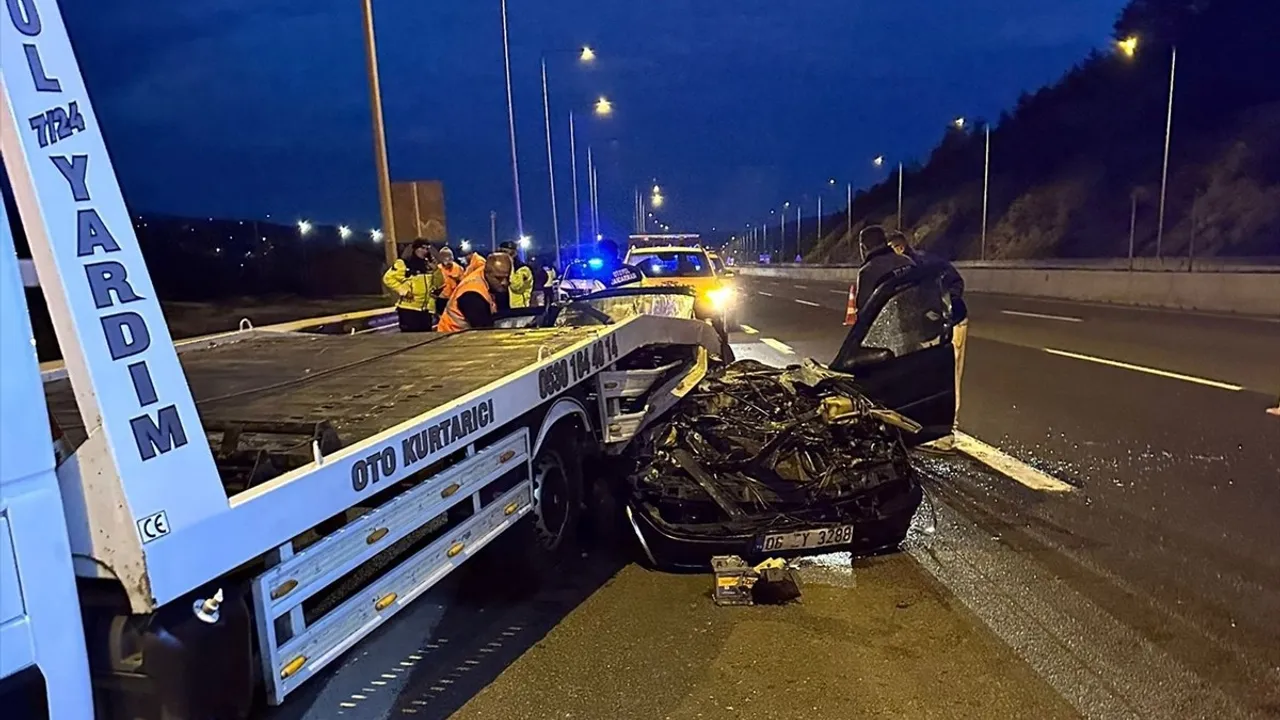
734	579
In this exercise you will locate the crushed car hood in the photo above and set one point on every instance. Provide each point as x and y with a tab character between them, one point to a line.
755	448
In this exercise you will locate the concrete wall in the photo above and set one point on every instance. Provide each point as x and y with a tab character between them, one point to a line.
1245	293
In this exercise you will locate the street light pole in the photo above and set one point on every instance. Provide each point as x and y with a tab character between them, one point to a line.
511	122
379	137
986	184
551	163
1168	133
899	195
493	231
819	220
573	166
799	209
848	190
591	186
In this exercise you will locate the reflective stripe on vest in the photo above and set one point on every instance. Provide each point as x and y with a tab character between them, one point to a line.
453	320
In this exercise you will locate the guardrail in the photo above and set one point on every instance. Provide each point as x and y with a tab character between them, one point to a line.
1228	287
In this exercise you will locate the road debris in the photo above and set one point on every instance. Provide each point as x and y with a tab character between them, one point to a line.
772	582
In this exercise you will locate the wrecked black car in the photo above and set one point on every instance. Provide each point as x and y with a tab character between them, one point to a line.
759	461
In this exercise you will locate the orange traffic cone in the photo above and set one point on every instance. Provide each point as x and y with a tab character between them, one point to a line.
851	308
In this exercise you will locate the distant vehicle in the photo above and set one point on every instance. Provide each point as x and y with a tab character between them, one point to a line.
694	268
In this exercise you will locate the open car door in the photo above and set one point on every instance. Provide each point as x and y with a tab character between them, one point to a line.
900	355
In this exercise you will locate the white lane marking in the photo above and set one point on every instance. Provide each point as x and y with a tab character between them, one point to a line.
761	292
839	292
806	302
748	329
1147	370
1042	316
778	345
1008	465
800	287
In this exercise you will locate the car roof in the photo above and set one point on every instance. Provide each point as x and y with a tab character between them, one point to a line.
667	248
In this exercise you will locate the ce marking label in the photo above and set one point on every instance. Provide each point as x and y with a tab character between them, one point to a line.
153	527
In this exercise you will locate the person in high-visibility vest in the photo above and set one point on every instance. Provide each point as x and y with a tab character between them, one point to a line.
410	279
521	291
446	278
551	284
473	304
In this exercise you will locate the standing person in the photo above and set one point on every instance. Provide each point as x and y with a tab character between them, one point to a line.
550	291
610	271
446	278
474	302
521	291
410	279
879	263
953	284
539	296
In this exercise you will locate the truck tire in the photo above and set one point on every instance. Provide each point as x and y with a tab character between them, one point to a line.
557	495
520	559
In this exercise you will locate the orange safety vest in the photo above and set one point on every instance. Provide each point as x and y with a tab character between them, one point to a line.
452	276
475	263
453	320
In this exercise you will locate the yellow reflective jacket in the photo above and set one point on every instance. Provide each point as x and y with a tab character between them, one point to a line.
414	290
521	289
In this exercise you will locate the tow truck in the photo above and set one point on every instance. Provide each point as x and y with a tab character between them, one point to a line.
228	515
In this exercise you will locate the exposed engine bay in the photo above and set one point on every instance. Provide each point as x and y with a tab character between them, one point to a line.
757	460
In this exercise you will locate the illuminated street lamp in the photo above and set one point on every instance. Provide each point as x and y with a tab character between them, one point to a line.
376	235
524	242
657	200
959	123
586	56
603	106
466	246
304	227
1129	48
344	232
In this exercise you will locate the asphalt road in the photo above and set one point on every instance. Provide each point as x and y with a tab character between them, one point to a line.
1149	589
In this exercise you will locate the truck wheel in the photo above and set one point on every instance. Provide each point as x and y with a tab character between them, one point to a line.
557	495
523	557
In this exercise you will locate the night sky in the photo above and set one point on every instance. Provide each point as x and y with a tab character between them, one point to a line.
234	108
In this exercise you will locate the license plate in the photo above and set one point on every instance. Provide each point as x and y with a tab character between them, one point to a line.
807	539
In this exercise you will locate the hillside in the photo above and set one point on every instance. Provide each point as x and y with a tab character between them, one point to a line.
1068	160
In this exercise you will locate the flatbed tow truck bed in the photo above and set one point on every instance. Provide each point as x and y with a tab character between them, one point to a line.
361	385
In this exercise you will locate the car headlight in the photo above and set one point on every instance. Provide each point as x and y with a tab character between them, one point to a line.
721	297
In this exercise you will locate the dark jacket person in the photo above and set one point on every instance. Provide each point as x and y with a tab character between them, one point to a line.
951	280
879	262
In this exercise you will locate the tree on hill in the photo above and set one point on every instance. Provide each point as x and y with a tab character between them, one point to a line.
1068	159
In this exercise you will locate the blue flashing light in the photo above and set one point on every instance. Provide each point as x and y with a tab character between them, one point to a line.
595	263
